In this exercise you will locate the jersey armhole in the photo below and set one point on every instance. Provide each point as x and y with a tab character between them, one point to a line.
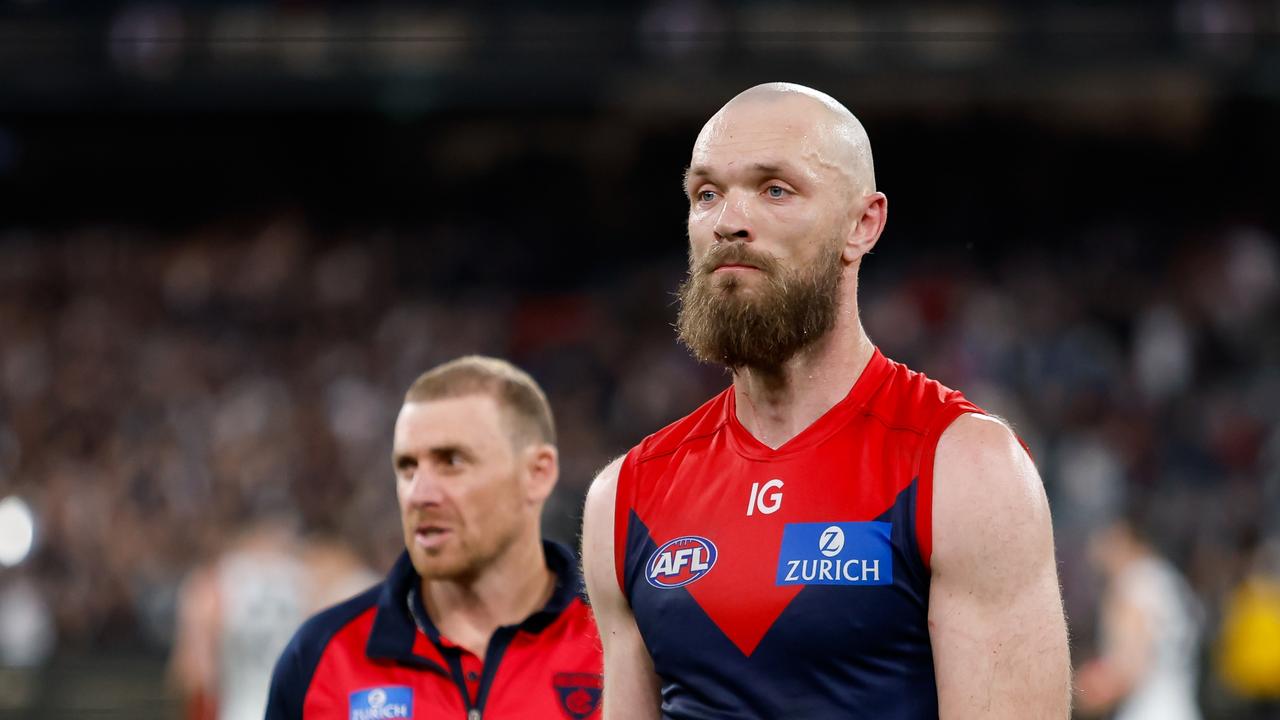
924	479
622	517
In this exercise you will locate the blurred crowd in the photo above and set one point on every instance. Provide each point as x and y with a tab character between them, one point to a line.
156	397
160	391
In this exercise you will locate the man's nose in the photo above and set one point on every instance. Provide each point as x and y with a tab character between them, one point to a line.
734	222
425	488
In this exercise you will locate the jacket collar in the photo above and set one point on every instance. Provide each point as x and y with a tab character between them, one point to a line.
400	613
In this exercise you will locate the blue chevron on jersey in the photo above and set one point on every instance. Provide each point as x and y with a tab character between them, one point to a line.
846	637
836	553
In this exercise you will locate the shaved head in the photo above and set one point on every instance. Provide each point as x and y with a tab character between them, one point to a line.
782	208
838	136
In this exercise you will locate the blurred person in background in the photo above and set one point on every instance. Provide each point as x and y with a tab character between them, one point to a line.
479	615
1149	628
237	613
1247	657
785	550
27	637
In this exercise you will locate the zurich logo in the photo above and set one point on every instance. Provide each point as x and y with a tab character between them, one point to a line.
832	541
679	562
392	702
836	553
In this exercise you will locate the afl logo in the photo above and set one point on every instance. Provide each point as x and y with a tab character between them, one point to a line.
679	562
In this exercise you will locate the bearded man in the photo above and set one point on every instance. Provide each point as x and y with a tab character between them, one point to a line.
835	535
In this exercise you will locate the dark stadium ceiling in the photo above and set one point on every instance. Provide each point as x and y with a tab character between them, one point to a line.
677	56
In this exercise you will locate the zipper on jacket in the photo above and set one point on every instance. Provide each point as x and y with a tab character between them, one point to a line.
498	643
453	658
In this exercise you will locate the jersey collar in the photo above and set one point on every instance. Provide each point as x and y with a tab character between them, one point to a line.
830	422
395	633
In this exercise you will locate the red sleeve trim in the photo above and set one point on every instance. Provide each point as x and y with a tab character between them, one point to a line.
924	480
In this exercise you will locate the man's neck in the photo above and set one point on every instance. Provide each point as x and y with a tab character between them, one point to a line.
776	405
515	586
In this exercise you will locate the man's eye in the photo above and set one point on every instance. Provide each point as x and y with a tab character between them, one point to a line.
776	192
449	458
707	195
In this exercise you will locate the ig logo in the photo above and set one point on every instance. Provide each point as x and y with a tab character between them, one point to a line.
766	499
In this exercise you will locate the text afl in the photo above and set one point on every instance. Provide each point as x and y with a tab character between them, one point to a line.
679	562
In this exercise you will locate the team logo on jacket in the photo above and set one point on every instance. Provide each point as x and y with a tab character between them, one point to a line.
843	553
579	693
382	703
679	562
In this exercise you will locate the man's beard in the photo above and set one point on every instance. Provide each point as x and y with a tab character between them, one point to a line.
722	321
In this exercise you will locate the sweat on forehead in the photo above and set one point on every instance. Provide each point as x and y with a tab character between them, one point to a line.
844	137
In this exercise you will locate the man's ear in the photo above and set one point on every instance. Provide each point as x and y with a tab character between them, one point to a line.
542	469
866	226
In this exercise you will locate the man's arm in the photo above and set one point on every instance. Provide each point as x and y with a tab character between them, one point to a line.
1127	649
995	611
193	665
631	688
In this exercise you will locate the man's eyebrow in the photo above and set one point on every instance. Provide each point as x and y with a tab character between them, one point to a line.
759	168
443	448
694	171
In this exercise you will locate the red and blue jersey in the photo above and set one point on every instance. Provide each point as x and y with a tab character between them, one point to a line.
789	582
378	657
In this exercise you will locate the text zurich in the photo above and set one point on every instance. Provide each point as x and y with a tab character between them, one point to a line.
857	571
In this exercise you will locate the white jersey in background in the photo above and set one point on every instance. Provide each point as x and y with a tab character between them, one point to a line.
263	598
1167	691
238	614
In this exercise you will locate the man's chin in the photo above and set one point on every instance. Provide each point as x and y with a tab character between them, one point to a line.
736	293
736	280
439	565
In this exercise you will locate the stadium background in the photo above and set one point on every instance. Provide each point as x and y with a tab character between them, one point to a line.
231	234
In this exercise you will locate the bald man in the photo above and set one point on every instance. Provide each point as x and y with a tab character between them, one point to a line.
834	535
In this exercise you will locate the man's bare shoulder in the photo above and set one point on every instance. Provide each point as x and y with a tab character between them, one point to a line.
995	613
605	486
982	471
979	427
597	545
985	449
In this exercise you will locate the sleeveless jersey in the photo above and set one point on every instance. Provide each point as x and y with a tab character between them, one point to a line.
791	582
